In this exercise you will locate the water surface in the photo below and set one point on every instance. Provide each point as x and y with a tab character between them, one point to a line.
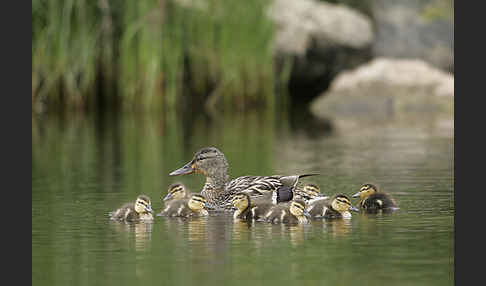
85	166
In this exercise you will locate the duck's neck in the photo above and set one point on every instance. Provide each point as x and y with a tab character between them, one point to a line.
215	184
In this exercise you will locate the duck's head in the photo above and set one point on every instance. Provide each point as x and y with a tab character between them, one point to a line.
365	191
143	204
311	190
241	201
297	208
341	203
198	202
175	191
208	161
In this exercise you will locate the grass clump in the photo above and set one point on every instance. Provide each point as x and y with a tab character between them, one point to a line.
146	54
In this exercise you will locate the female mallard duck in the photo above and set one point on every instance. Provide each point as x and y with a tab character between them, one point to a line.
247	209
140	210
373	199
193	207
293	212
336	207
176	191
212	163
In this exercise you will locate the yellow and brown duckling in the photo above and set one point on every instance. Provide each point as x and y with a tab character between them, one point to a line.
372	199
336	207
195	206
247	209
309	193
176	191
219	190
292	212
141	210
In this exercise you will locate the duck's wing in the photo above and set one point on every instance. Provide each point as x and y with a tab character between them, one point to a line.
259	185
254	185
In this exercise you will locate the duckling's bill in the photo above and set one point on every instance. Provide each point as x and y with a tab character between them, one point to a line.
306	213
168	197
355	195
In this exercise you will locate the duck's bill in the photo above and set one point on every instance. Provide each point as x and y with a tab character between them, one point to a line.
307	214
353	208
187	169
168	197
356	195
149	209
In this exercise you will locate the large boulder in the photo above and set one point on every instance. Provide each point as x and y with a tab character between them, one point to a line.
421	29
385	89
321	38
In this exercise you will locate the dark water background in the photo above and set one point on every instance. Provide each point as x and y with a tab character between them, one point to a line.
85	166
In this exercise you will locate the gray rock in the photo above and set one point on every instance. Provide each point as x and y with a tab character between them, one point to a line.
301	22
383	88
321	38
403	30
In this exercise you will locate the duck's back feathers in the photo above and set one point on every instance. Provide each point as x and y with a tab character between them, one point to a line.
378	201
280	214
321	208
258	211
175	208
127	213
180	208
120	213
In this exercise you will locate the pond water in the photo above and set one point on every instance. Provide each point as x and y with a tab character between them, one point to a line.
86	166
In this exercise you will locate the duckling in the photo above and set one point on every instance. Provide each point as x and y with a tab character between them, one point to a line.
293	212
196	206
140	210
336	207
373	199
246	209
309	193
176	191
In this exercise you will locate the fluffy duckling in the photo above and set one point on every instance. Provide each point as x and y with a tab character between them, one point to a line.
293	212
176	191
309	193
196	206
247	209
336	207
140	210
373	199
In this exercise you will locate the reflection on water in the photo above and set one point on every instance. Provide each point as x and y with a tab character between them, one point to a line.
85	166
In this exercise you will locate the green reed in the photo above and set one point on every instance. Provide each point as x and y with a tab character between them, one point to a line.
146	54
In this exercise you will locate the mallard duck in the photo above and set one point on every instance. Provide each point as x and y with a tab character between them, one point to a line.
218	190
336	207
309	193
192	207
176	191
293	212
246	209
373	199
140	210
